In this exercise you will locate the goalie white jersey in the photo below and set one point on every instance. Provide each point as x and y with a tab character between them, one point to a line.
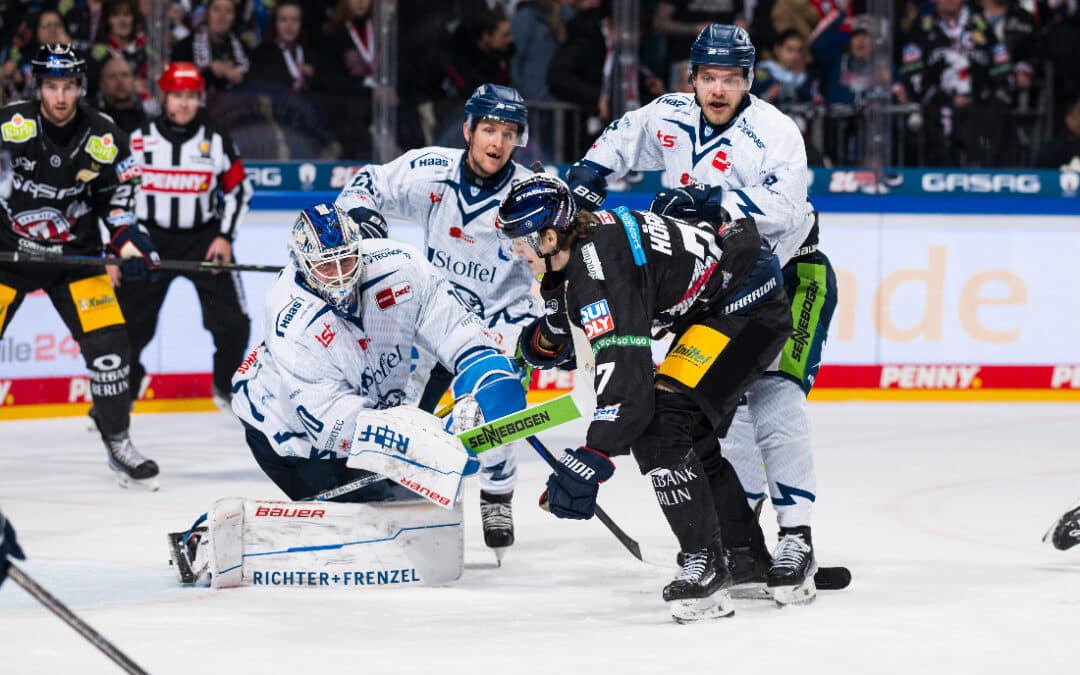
430	186
317	367
759	158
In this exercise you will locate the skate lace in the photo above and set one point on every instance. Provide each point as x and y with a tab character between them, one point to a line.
791	551
124	452
496	516
693	566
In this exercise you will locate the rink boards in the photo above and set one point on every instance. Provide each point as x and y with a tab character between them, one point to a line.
932	306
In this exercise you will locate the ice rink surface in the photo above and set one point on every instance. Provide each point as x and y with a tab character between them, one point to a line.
938	509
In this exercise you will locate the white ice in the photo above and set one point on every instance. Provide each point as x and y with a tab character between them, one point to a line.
938	509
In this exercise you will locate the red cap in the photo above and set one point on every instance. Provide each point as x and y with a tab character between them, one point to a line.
181	76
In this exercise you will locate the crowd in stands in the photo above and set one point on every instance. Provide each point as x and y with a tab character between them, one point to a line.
980	84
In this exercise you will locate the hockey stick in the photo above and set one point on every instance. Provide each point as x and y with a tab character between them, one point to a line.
60	609
826	578
506	429
94	261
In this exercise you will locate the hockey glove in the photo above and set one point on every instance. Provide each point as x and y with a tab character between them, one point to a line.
588	187
133	241
8	547
693	201
531	351
572	487
556	322
372	224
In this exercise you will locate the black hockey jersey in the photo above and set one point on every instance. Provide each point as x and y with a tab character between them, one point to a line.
57	195
639	272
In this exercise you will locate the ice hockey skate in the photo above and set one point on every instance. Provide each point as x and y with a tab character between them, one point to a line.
1065	533
128	464
791	577
497	516
700	589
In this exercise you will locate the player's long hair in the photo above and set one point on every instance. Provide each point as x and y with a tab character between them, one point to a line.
584	221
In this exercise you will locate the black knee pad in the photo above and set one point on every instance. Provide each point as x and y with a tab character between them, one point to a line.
668	438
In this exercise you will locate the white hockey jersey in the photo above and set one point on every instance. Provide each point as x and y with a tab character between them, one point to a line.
759	158
316	368
429	186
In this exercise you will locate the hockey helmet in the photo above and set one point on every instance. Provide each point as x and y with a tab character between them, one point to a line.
58	60
181	76
500	103
533	205
723	45
325	247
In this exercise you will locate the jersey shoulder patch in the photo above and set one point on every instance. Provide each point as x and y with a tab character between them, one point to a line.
675	100
18	129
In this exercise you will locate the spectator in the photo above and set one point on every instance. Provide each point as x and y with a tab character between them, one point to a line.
797	15
537	32
481	49
282	58
116	94
956	68
1064	149
576	74
347	62
782	80
46	27
82	19
1016	28
215	49
680	21
1058	40
844	60
120	33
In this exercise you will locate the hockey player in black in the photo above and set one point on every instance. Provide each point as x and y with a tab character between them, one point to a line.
70	170
613	279
194	194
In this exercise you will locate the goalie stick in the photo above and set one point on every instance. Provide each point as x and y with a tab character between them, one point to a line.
70	618
826	578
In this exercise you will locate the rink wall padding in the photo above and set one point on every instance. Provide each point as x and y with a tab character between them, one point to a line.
943	295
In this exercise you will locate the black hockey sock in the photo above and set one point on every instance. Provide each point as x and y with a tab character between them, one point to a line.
683	493
737	520
106	355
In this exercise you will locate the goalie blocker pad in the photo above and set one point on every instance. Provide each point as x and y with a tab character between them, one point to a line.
341	546
410	447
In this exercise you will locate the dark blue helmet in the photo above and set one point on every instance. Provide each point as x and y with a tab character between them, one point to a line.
722	45
57	60
501	103
535	204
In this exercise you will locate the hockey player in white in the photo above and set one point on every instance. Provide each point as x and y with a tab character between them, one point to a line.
339	323
741	153
454	195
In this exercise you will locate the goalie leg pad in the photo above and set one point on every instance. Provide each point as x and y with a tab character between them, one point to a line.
410	447
342	546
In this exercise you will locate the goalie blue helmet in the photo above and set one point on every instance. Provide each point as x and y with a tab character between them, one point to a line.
499	103
533	205
723	45
325	247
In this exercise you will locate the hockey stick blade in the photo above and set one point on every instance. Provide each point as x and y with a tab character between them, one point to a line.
94	261
70	618
832	578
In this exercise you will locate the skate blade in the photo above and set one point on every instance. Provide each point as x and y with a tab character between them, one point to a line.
803	594
716	606
125	481
499	552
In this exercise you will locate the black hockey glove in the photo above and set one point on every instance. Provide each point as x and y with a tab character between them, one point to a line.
133	241
372	224
693	201
8	547
533	353
587	186
573	485
556	322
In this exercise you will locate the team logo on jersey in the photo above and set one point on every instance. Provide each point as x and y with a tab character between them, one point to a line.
394	295
42	225
596	319
18	129
102	148
326	336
